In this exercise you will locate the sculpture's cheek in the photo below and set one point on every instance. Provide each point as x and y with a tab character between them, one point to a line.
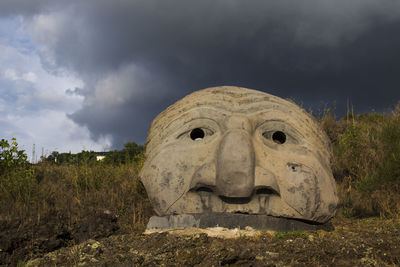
167	177
299	189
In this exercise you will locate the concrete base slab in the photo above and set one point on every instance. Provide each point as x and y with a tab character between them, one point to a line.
232	220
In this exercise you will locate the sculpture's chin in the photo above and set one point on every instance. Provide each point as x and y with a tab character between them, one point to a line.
205	202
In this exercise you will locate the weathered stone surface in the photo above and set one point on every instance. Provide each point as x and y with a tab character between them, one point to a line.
236	150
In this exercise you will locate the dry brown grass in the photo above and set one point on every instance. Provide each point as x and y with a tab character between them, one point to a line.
367	163
74	192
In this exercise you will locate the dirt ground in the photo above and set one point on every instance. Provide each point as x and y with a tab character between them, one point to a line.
354	242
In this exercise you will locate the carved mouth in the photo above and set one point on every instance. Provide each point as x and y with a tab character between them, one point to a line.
265	190
262	192
235	200
203	189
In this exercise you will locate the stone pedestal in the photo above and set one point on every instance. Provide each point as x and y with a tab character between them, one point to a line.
231	220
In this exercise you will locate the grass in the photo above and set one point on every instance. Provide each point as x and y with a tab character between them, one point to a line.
291	234
367	162
75	191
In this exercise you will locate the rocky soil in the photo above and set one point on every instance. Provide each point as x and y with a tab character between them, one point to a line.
354	242
23	240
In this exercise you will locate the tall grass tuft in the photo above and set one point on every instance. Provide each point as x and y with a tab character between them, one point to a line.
367	162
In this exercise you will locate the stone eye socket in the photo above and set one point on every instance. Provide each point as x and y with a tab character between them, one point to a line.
197	134
278	137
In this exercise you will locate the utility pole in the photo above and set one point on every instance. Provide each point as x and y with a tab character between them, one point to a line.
33	154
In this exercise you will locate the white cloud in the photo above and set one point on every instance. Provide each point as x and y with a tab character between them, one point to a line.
33	102
53	131
29	76
32	87
12	74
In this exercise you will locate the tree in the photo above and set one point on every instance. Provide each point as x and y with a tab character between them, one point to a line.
129	153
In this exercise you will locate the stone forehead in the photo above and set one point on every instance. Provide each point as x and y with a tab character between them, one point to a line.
234	100
228	98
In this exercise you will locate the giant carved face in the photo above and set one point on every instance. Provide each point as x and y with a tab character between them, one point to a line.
236	150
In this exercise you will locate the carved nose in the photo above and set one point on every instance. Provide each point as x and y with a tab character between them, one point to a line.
235	165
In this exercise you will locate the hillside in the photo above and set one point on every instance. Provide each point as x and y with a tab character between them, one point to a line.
99	209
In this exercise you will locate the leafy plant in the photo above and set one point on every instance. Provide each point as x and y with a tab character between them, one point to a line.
17	179
11	158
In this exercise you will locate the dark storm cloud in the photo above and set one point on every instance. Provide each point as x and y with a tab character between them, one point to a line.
137	57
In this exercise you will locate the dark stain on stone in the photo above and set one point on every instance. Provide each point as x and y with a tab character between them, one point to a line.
166	180
182	167
203	201
294	167
181	181
301	187
331	208
308	203
155	203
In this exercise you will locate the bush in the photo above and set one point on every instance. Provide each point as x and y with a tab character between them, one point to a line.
11	158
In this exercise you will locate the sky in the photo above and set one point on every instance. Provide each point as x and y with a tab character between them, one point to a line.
92	75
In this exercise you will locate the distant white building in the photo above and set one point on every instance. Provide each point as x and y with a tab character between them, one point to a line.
98	158
101	156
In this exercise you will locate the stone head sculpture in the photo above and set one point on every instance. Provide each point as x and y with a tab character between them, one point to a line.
236	150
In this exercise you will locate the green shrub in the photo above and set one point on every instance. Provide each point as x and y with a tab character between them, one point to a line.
11	158
17	179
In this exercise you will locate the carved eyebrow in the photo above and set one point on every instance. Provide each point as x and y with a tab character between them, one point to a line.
280	116
261	122
288	125
187	125
196	115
